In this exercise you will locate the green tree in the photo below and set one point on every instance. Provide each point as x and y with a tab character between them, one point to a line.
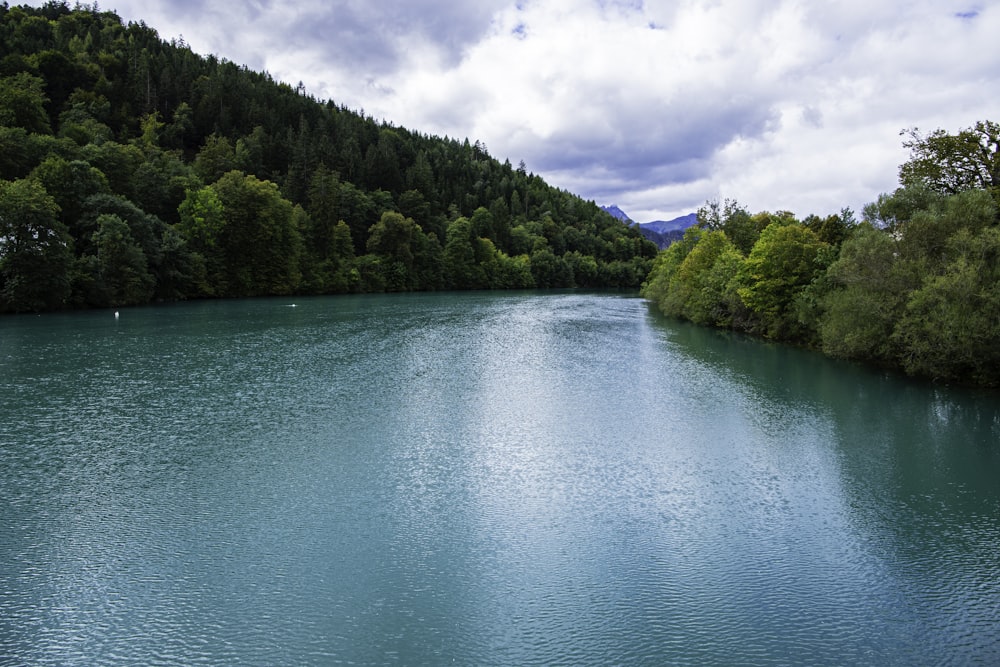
147	230
214	159
420	177
151	127
123	268
925	236
514	272
833	229
661	280
951	163
161	182
719	302
260	243
586	272
393	239
428	261
18	154
70	183
482	223
526	238
870	291
180	273
35	249
460	267
120	164
549	270
950	329
781	264
413	204
734	220
700	288
22	103
329	248
179	132
201	225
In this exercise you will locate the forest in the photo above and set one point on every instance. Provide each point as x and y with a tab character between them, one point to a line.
914	285
133	170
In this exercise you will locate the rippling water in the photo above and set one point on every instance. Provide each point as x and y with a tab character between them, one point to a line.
480	479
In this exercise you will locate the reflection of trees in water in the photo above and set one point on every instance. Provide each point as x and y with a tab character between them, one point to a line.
919	465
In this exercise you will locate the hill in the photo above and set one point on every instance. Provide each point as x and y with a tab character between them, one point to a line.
133	170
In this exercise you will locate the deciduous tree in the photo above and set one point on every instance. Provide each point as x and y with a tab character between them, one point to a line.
35	249
951	163
123	268
781	264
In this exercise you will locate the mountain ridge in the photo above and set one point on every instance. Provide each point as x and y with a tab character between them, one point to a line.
660	232
138	171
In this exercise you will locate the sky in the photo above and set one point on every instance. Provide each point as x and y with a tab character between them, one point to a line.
655	106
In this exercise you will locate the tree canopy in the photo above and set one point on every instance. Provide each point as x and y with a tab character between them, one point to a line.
914	286
159	173
952	163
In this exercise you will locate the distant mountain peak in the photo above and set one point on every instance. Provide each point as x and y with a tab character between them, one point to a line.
618	213
677	224
660	232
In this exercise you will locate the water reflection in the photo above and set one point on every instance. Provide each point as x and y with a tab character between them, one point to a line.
480	479
916	468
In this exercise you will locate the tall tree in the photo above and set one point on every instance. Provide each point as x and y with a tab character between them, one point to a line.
35	249
260	242
461	270
951	163
393	238
123	267
781	264
22	103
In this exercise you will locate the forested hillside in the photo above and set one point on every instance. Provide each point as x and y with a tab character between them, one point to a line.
134	170
915	285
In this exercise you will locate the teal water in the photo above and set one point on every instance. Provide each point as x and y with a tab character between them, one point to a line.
481	479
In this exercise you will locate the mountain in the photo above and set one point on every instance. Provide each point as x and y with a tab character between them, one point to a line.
660	232
618	214
677	224
665	232
134	170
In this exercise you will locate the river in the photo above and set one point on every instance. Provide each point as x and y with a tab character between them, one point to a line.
481	479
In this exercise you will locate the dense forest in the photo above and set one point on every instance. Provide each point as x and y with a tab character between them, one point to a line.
914	285
134	170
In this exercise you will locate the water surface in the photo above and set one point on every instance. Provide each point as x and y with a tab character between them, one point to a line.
487	479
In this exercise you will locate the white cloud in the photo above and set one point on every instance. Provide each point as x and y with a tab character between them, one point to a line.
657	105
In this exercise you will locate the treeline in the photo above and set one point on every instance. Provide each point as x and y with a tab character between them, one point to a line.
915	285
134	170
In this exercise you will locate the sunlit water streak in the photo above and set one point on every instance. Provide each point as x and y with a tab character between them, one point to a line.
480	479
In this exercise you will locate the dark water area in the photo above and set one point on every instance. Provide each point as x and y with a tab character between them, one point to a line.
481	478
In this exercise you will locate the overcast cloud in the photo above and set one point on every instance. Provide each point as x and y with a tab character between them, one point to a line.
654	106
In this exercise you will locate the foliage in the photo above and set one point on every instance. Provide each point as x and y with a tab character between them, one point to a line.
260	243
22	103
915	286
953	163
949	329
229	183
35	249
870	291
780	265
122	266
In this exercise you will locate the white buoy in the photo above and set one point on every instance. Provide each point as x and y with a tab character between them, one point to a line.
116	314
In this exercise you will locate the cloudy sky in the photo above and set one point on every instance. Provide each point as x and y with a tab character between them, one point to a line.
655	106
